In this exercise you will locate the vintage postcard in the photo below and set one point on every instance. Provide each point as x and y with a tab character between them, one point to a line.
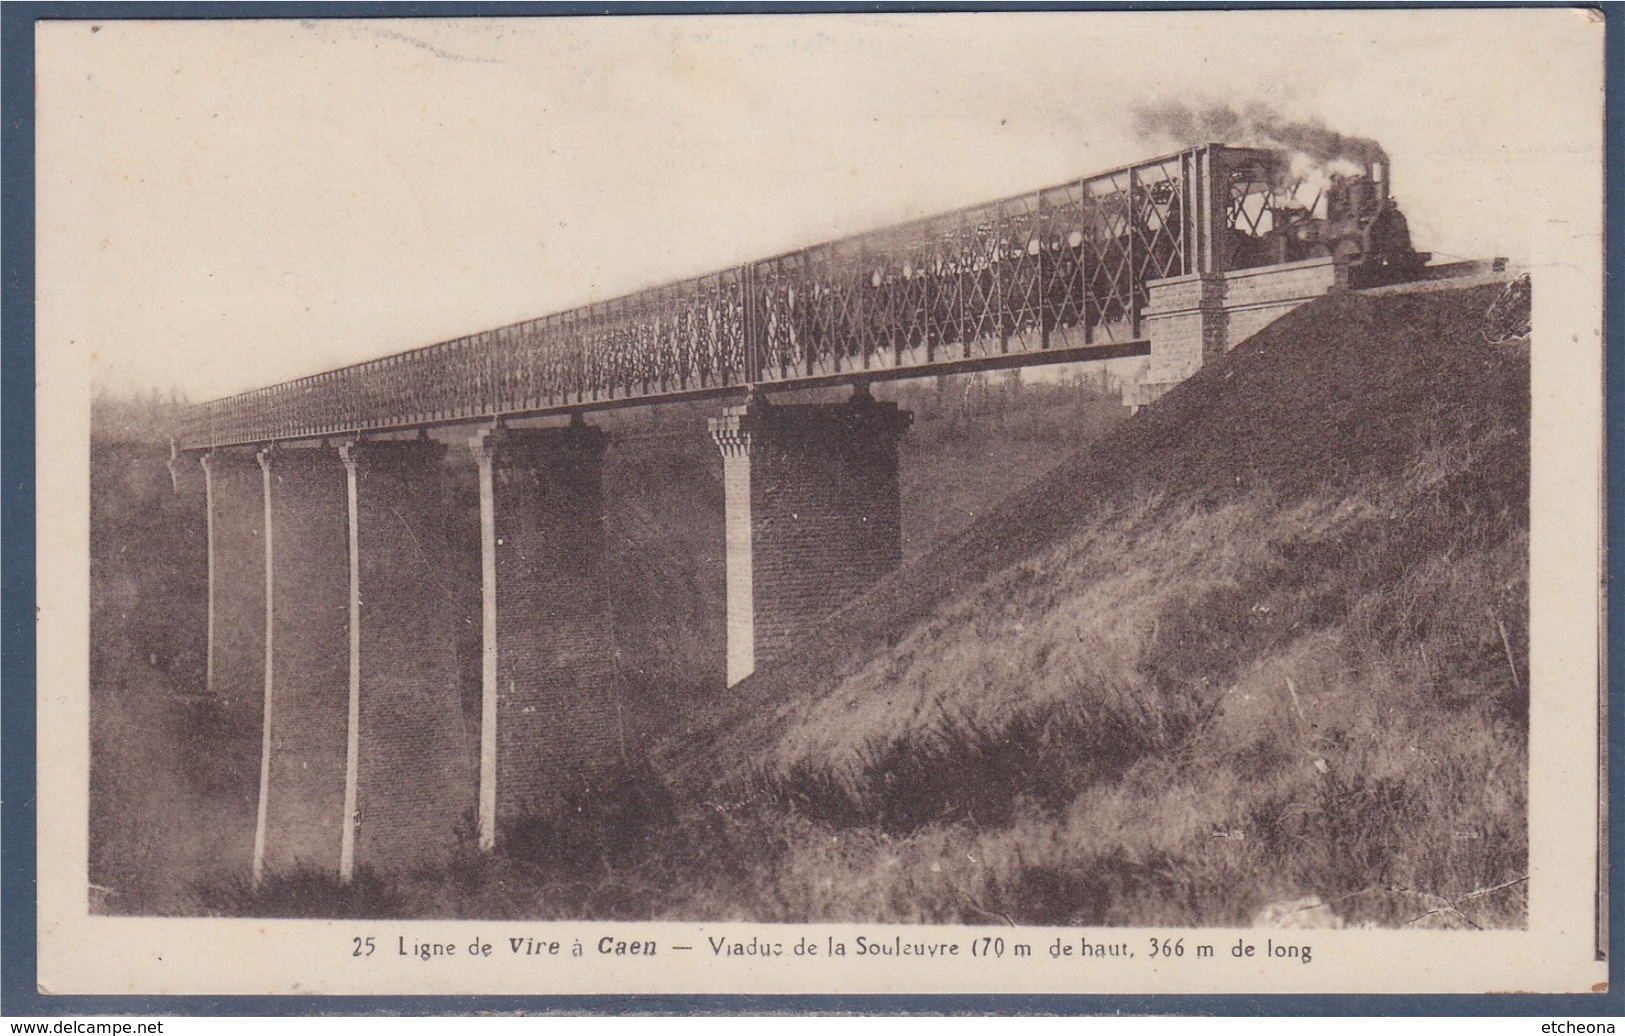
958	502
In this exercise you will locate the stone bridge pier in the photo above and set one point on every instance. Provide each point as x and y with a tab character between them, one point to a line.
335	584
233	501
334	564
550	726
411	744
813	516
303	758
333	595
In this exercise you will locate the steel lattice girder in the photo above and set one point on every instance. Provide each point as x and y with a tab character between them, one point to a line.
1062	266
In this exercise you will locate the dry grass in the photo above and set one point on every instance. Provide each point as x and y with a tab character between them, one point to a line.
1179	734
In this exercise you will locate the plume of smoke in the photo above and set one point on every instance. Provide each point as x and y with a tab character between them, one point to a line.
1257	125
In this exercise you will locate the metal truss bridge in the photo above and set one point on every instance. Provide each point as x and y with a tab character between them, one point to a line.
1054	275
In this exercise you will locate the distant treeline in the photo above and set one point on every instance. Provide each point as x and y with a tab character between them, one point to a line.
145	417
153	415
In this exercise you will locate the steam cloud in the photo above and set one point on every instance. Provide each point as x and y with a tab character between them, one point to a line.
1256	125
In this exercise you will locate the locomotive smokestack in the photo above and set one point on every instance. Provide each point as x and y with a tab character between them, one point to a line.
1255	125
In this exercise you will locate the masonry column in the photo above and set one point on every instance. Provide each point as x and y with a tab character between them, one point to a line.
1185	321
411	754
813	516
307	674
550	727
234	502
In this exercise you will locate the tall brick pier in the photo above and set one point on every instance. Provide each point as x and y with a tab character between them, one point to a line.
813	516
331	590
549	722
234	502
307	690
413	747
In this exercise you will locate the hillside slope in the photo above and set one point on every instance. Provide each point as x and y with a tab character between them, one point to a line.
1265	640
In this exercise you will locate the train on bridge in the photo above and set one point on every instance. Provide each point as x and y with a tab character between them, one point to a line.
1058	274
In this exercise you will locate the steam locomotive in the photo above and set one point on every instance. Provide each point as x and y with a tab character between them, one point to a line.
1092	266
1353	220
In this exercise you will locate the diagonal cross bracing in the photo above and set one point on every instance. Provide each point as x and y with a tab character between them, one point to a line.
1049	276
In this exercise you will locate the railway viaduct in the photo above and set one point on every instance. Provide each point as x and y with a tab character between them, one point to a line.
327	543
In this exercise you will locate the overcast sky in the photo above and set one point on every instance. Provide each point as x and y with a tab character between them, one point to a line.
229	204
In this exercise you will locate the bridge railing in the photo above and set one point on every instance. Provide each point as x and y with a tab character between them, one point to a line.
1060	267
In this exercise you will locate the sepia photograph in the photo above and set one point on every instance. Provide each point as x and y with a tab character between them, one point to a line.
1070	501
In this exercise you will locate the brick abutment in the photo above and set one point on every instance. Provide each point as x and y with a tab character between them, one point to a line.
1196	318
